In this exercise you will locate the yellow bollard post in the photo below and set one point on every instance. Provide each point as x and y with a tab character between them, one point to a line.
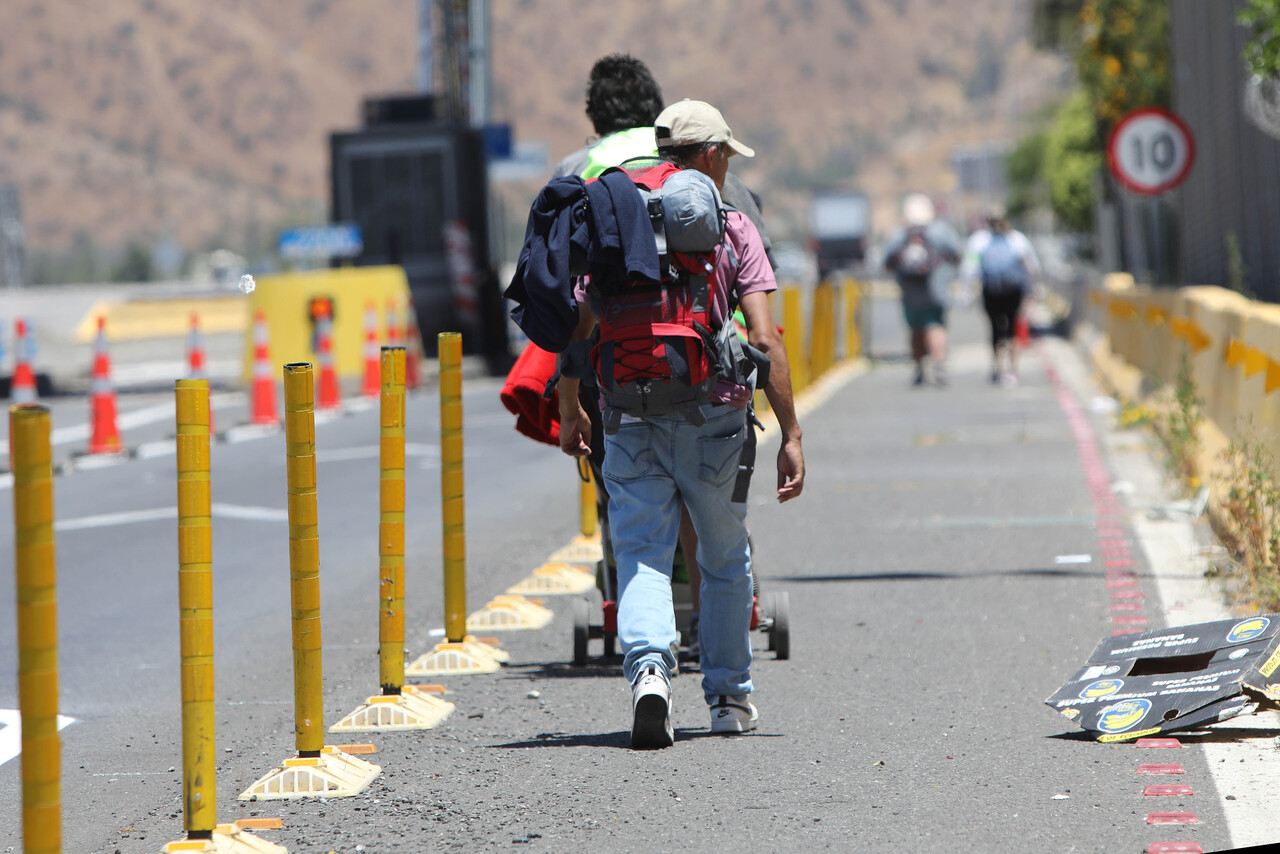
822	328
391	523
795	338
452	504
318	770
195	608
399	707
460	653
852	335
590	518
35	567
304	558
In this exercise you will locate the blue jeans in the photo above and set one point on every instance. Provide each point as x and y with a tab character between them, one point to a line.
651	464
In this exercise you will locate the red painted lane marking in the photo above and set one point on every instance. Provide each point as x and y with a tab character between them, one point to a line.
1161	768
1128	621
1114	542
1112	553
1128	594
1157	742
1172	818
1123	605
1175	848
1122	581
1116	563
1167	790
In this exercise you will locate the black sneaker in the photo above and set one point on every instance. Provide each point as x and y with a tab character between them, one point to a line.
651	711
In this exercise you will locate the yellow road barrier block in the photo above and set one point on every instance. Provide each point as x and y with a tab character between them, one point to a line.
413	708
581	550
171	318
332	774
509	613
232	839
555	579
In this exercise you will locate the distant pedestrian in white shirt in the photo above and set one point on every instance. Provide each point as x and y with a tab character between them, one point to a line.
1003	259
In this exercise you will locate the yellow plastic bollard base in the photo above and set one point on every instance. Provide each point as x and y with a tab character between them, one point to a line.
232	839
510	613
459	659
412	708
553	579
332	774
581	550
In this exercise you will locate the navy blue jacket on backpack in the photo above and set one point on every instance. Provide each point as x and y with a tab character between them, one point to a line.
601	228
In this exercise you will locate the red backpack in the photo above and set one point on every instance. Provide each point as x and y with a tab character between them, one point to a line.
657	353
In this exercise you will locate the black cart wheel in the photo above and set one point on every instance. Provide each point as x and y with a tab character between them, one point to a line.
780	636
581	631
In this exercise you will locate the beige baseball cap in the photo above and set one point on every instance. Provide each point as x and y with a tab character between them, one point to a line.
688	122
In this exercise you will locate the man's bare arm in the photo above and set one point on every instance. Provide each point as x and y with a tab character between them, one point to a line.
762	333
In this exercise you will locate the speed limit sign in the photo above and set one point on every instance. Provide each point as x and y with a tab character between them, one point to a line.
1150	151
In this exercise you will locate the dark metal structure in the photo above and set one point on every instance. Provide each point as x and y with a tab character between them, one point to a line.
1232	196
410	180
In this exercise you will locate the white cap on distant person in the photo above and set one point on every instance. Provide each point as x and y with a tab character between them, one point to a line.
689	122
917	209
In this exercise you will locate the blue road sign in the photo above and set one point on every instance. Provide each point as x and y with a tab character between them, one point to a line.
341	240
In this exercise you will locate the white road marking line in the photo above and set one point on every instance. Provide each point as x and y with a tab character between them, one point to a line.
11	732
366	452
222	511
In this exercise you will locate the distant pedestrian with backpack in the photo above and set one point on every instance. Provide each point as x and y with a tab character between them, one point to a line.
922	256
675	432
1005	263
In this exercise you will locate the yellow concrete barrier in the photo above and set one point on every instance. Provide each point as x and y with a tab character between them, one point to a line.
288	301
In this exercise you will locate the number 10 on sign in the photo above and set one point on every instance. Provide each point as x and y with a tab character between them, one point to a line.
1150	151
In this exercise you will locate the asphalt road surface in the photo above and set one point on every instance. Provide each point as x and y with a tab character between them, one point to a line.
930	616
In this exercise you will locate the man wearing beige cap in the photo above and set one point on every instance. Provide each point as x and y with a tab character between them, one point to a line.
653	462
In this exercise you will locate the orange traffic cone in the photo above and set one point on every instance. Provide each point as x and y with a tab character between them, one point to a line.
195	359
104	438
1022	330
22	385
264	378
413	350
372	353
328	396
395	337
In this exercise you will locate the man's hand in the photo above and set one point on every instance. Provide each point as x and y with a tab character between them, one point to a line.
790	469
575	430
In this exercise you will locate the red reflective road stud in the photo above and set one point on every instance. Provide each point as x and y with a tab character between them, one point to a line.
1175	848
1161	768
1157	742
1150	791
1172	818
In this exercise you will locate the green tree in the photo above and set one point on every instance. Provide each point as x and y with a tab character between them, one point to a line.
1071	160
1262	52
1123	58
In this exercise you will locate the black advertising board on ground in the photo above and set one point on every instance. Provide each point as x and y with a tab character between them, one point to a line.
1139	684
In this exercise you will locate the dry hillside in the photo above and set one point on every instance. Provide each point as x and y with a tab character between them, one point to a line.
133	119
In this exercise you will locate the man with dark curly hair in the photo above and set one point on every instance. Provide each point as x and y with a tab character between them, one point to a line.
623	99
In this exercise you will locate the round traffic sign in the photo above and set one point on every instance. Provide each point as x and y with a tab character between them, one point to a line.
1150	151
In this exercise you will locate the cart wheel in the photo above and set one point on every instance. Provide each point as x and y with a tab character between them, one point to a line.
581	632
780	637
609	640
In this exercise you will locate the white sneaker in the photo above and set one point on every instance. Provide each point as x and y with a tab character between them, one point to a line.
733	714
651	711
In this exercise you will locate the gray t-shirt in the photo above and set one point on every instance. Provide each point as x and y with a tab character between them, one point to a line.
920	292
